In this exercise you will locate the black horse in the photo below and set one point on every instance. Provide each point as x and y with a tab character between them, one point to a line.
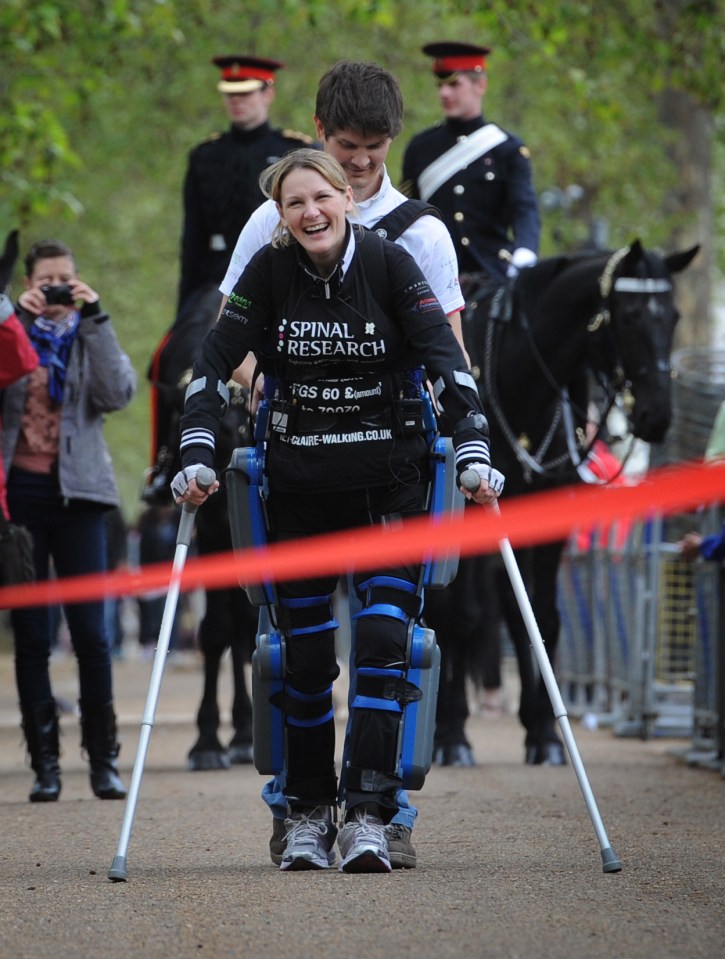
230	621
568	324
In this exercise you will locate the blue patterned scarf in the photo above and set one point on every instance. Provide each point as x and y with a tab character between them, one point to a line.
52	342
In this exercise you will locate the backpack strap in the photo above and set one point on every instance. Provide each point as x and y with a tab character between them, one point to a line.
395	223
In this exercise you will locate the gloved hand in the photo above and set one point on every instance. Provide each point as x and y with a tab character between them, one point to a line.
520	259
180	483
486	474
8	258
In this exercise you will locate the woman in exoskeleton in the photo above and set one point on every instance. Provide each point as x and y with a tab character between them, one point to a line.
337	318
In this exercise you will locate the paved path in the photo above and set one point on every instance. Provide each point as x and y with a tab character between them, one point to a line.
509	863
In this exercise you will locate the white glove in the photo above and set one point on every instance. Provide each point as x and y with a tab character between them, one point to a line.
486	474
180	483
520	259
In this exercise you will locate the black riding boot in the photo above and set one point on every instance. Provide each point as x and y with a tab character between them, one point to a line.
98	728
40	725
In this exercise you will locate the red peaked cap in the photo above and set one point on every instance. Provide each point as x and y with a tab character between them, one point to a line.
244	74
451	57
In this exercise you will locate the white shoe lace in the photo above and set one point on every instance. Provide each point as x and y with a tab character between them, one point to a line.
306	828
367	829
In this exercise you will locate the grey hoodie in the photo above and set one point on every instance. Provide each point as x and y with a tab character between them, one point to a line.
100	379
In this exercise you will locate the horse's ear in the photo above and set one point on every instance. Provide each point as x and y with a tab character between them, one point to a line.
676	262
635	252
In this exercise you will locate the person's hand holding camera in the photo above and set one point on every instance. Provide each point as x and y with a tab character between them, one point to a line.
56	300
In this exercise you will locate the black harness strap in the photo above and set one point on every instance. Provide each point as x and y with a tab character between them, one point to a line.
395	223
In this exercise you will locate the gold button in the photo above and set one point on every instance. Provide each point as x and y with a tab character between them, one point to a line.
458	217
465	241
458	189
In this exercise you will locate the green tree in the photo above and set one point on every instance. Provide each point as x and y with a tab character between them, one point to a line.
102	99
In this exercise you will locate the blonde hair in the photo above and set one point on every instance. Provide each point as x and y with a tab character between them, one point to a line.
271	179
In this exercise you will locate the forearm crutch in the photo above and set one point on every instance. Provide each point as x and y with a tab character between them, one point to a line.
118	873
470	480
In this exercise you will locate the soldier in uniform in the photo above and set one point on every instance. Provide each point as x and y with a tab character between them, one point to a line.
477	174
479	177
220	193
220	188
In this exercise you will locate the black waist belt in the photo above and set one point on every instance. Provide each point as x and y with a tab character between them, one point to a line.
290	419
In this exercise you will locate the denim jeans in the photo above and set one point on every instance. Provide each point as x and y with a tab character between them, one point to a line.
73	535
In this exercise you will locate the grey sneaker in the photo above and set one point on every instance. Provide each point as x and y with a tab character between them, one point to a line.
401	851
310	840
278	840
363	845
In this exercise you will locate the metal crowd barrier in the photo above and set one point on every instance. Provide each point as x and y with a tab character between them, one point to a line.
642	638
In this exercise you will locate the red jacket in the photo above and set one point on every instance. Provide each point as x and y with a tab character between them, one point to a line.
17	357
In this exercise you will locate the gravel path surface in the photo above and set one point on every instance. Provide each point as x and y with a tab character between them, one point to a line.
509	864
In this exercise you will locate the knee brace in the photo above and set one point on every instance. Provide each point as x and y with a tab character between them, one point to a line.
409	690
276	703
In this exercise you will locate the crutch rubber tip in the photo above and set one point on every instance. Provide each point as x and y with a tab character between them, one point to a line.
610	861
118	872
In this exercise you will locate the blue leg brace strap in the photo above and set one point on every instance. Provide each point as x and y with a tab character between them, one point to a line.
409	688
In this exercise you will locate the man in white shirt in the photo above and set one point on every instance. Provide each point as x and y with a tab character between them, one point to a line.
358	113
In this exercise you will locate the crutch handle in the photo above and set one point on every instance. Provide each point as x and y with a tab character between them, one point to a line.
470	480
205	477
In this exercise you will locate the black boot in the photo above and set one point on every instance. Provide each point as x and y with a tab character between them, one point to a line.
40	725
98	728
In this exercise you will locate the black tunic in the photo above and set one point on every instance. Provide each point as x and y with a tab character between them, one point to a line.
221	191
488	206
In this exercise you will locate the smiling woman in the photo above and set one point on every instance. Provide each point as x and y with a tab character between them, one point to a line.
313	198
340	321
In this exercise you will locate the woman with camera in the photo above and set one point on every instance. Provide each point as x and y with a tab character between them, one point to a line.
60	484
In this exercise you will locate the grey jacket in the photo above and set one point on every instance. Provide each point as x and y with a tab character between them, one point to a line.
99	380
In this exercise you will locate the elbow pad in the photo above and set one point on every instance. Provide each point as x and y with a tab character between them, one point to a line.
452	382
200	384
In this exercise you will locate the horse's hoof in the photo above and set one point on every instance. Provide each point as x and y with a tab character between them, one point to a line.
456	754
545	754
203	760
240	754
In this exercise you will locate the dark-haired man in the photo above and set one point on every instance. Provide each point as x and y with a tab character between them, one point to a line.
358	113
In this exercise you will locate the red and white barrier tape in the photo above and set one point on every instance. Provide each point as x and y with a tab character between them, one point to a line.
525	520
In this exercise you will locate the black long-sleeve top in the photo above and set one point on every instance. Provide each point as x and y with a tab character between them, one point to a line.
338	351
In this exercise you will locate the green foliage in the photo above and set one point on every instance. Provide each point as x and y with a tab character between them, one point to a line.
102	100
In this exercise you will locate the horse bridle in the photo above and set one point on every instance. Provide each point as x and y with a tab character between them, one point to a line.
577	452
602	320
